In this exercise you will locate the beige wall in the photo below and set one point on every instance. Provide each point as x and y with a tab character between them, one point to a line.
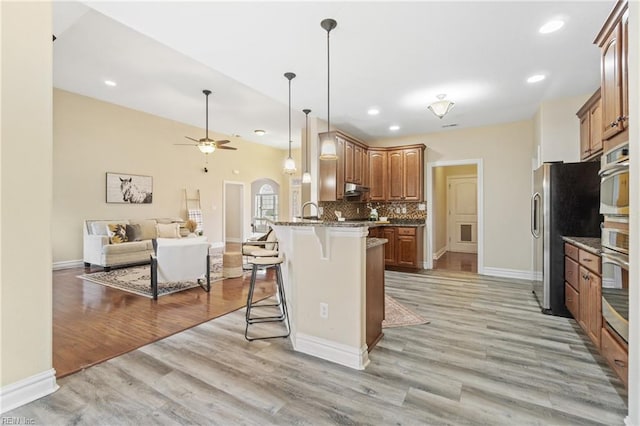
233	221
440	175
92	137
25	225
557	130
506	151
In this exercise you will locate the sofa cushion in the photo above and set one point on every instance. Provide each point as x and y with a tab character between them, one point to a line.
117	233
134	232
168	230
128	247
147	228
99	227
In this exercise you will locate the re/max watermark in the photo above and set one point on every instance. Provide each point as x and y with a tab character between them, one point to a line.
17	421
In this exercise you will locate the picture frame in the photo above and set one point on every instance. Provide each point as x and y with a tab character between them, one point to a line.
127	188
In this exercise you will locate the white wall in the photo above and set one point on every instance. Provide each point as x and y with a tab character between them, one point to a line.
557	130
25	224
233	221
506	151
92	137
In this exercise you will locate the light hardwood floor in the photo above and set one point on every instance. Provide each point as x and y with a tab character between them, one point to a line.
487	357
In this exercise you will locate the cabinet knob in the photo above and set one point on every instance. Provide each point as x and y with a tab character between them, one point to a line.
623	118
613	124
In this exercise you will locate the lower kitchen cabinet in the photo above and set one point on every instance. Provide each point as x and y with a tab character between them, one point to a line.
404	246
616	354
389	232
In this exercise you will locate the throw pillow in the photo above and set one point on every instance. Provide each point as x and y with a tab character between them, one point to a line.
168	230
134	232
117	233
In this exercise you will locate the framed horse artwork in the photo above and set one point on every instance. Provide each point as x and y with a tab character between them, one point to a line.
129	189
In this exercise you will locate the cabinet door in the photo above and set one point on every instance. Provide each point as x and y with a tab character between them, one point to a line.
572	300
583	316
625	69
357	164
585	135
611	75
395	172
340	150
412	182
595	309
349	162
595	128
389	232
406	251
377	175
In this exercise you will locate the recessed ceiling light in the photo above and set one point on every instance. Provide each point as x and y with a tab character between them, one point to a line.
373	111
110	83
394	127
551	26
535	78
260	132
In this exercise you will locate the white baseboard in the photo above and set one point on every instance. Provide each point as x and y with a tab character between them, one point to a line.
339	353
508	273
437	255
67	264
217	244
28	390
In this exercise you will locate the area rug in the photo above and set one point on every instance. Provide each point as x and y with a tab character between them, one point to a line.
137	279
397	315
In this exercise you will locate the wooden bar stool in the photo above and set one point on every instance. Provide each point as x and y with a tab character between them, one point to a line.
281	301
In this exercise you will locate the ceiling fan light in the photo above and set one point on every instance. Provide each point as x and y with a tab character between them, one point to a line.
442	107
289	166
306	177
206	148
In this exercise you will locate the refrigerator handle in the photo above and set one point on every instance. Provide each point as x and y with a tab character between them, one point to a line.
535	207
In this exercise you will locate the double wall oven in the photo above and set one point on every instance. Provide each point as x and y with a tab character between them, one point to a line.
614	205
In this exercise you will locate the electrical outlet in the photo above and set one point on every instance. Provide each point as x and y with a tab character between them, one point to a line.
404	210
398	210
320	211
357	209
324	310
422	207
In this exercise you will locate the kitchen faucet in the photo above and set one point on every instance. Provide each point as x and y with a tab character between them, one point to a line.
307	204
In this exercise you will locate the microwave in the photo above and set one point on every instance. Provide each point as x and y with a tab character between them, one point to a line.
614	189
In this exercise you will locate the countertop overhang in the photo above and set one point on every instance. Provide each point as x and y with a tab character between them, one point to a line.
591	244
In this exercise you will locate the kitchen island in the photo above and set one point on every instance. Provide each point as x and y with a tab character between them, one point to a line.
327	268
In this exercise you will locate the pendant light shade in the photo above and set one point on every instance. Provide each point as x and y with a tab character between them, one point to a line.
441	107
306	176
328	145
289	164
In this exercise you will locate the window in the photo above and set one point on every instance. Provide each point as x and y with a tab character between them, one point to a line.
266	208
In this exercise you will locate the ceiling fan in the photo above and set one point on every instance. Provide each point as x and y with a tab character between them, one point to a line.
207	145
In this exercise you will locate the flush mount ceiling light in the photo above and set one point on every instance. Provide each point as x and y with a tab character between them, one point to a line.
441	107
260	132
328	146
306	176
110	83
289	164
551	26
394	128
373	111
535	78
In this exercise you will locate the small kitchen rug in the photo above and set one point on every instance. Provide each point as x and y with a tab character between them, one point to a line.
397	315
137	279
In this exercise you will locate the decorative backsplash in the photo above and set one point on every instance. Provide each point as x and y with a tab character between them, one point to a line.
353	210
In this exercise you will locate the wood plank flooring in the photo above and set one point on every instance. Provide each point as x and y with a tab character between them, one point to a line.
461	262
93	323
487	357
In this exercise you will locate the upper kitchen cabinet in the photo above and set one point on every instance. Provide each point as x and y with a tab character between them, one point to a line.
350	167
612	41
590	116
377	175
406	173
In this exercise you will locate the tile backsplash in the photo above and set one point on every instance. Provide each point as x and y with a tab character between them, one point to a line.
355	210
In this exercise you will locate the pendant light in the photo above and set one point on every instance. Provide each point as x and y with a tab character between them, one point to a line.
289	164
328	145
306	176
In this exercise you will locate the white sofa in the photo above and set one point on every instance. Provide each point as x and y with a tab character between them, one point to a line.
100	251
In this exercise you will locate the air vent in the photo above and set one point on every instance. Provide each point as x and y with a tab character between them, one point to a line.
449	125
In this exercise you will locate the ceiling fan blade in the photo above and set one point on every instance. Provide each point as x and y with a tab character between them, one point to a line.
186	144
227	147
192	139
222	142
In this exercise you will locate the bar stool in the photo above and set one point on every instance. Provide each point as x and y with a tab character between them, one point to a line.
281	316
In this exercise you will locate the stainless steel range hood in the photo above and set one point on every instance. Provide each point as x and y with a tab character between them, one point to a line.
354	192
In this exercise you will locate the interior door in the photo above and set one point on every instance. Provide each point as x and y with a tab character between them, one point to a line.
462	200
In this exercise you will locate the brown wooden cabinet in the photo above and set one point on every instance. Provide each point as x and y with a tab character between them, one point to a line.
375	295
351	166
616	354
405	247
590	304
389	232
612	41
377	175
590	116
406	174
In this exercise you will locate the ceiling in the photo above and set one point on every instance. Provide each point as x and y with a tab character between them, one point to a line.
394	56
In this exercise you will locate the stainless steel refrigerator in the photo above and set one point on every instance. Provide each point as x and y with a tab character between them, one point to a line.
565	202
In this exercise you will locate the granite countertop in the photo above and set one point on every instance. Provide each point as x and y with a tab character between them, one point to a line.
375	242
352	223
590	244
